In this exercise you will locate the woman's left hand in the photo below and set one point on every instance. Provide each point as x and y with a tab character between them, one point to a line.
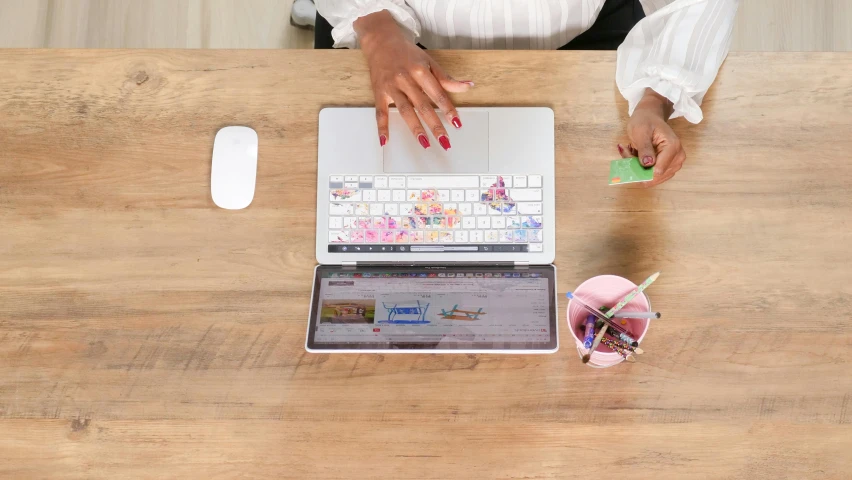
652	139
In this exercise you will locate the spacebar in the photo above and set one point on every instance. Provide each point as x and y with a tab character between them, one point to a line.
440	248
453	181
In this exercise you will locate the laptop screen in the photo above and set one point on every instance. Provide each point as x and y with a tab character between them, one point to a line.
486	308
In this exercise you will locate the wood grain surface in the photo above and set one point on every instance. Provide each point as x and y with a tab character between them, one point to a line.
146	333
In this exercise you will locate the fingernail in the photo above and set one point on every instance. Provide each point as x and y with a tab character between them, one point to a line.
620	149
648	161
456	122
423	140
468	82
444	141
382	140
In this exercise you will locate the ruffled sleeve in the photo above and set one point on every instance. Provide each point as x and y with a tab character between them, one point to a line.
341	14
676	50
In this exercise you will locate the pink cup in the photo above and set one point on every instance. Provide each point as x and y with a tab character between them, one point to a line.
606	290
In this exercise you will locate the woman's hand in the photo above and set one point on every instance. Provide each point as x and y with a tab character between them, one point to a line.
406	76
652	139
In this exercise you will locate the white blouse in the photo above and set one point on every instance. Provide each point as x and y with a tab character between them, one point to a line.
676	50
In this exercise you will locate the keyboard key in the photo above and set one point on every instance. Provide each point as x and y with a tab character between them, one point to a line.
391	209
341	209
335	223
469	223
520	181
466	208
520	236
506	236
461	236
507	181
451	209
381	182
438	222
350	178
401	236
350	184
457	195
335	179
356	236
429	195
388	236
384	196
432	236
479	209
525	194
349	223
495	208
365	179
529	208
369	195
487	181
498	222
406	209
345	195
396	182
536	247
416	236
365	223
338	236
513	222
535	181
379	223
449	181
471	195
444	195
492	236
483	222
447	237
362	208
534	236
371	236
413	196
453	222
375	209
477	236
421	209
398	195
435	209
531	222
510	209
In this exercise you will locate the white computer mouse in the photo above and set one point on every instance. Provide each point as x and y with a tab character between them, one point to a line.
234	172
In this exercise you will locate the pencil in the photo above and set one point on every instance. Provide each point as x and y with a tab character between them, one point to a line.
597	342
648	281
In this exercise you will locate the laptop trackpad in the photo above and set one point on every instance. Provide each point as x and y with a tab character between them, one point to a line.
469	152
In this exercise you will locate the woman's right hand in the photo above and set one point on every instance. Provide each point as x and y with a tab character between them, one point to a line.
404	75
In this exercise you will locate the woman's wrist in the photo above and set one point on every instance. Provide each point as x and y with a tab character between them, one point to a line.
654	102
374	27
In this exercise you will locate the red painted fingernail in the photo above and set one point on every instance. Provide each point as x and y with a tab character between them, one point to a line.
444	141
423	140
648	161
456	122
620	149
382	140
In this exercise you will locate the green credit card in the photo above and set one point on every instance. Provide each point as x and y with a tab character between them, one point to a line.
629	170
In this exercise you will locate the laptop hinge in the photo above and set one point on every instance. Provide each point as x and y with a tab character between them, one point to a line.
522	264
349	264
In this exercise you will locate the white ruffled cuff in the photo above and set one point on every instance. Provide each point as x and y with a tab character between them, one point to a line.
344	32
686	101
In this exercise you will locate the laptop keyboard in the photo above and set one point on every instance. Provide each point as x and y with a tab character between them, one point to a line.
435	213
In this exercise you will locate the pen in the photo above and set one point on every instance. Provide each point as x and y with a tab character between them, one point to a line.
643	315
627	298
590	331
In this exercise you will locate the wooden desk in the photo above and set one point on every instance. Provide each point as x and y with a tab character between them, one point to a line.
146	333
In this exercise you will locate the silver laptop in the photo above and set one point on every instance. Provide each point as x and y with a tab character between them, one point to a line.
393	223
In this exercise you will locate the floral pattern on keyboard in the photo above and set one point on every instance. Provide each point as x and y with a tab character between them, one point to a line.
488	214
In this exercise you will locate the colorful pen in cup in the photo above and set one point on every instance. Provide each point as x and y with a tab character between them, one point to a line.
590	331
